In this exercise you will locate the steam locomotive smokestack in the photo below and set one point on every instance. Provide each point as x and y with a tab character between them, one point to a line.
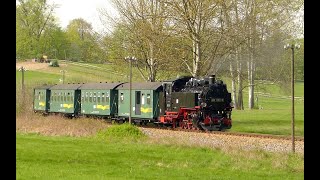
212	79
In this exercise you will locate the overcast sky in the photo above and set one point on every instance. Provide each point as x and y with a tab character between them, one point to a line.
86	9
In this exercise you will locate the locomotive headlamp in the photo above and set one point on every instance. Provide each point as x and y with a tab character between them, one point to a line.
204	104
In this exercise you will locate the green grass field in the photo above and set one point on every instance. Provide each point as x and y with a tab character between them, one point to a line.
43	157
274	118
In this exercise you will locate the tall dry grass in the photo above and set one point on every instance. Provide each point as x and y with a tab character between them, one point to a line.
56	125
29	122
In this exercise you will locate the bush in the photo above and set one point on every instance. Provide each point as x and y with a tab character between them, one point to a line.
120	131
54	63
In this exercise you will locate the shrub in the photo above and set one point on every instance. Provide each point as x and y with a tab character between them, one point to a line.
54	63
120	131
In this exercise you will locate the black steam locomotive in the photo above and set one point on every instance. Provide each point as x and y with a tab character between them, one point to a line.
194	103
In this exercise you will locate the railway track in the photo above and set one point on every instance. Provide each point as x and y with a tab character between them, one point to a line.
256	135
225	140
268	136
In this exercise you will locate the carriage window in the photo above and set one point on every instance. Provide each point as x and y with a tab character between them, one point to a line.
98	98
102	98
71	97
121	98
86	97
90	98
94	97
68	98
39	96
142	99
65	97
59	96
107	98
148	99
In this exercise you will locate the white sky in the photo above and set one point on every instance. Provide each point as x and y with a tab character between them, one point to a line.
86	9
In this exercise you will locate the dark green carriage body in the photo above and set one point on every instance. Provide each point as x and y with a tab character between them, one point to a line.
41	98
144	99
65	98
99	99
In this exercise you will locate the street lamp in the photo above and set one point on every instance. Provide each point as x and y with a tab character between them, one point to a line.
22	69
62	71
292	47
130	59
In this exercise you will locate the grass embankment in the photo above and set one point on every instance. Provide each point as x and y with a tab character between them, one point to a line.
112	155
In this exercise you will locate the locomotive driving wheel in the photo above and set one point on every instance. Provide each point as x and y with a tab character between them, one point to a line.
183	124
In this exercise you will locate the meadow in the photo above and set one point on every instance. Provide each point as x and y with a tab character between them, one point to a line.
62	157
274	117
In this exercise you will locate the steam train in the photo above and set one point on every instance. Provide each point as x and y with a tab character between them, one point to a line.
186	102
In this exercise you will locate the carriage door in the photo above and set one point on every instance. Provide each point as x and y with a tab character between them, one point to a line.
138	103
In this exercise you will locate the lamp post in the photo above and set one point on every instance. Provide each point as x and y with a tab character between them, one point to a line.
292	47
22	69
130	59
63	71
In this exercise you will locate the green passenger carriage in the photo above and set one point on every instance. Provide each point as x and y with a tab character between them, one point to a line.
65	98
41	98
144	100
99	99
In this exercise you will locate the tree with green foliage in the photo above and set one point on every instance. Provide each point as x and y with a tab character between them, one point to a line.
33	19
56	43
83	41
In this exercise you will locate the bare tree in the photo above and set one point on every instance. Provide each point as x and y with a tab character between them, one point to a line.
145	20
192	20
